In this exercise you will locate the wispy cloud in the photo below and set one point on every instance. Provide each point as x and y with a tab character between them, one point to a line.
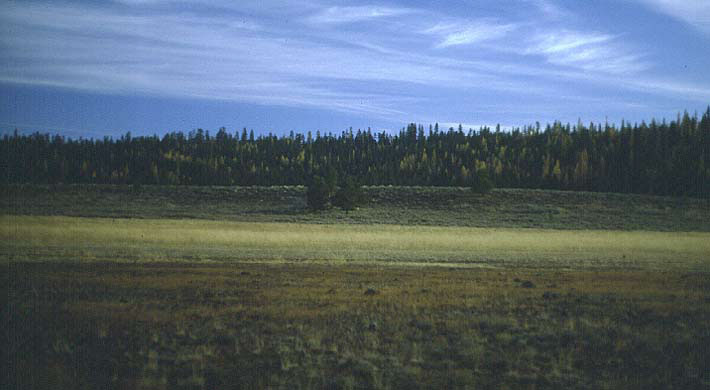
589	51
565	41
550	9
308	56
336	15
584	50
214	57
187	56
469	32
694	12
668	87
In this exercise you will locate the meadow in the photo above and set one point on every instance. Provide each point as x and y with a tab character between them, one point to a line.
203	288
30	238
255	325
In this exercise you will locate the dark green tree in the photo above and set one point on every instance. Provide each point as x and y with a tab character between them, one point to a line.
481	183
349	196
317	195
662	158
331	181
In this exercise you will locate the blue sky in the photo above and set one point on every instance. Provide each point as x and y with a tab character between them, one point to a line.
95	68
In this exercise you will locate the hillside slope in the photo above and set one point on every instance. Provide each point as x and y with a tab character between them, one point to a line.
432	206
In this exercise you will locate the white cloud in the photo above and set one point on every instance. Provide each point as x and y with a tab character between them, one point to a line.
666	87
566	41
468	32
588	51
550	9
187	55
240	56
336	15
694	12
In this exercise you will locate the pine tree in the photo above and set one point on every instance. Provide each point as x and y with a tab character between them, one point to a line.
481	183
331	182
317	196
349	196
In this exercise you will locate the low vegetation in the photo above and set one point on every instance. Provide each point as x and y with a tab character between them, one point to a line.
169	326
429	206
29	238
150	287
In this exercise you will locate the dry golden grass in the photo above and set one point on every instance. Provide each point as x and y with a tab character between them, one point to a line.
105	239
217	304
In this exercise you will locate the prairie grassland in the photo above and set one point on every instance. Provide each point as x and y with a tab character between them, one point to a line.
251	325
219	288
30	238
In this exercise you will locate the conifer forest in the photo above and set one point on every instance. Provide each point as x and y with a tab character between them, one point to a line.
661	158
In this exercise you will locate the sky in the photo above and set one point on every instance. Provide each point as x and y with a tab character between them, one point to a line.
102	68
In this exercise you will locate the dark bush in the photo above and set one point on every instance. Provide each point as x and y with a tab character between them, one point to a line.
349	196
481	183
317	194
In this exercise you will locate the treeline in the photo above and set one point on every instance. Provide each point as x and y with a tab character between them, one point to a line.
655	158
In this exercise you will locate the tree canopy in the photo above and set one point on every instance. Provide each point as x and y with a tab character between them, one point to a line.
669	158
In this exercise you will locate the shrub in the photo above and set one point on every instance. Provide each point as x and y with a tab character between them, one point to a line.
481	182
349	196
317	194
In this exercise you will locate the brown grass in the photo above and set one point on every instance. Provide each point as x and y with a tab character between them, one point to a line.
254	325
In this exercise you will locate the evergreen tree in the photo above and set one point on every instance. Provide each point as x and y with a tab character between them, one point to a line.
331	181
481	183
349	196
664	158
317	194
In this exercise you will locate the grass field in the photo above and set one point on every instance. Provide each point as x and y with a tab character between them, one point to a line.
213	288
101	239
250	325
